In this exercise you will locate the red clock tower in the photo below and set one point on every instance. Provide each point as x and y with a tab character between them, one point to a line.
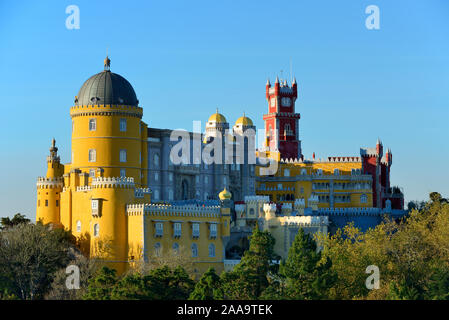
281	121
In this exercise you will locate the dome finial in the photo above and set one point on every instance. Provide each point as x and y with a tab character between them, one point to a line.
107	64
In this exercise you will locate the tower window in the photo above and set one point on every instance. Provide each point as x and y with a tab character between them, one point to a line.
96	230
123	125
92	173
46	203
57	203
122	173
78	226
92	155
92	124
123	155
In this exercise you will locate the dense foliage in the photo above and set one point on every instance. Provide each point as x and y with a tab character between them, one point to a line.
412	256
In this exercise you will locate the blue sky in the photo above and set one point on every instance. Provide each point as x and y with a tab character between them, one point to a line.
186	58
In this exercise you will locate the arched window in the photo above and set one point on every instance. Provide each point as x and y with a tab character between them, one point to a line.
96	230
206	195
78	226
92	155
286	172
303	171
211	250
194	250
157	249
156	176
336	172
251	211
175	248
122	155
92	124
156	160
170	194
156	194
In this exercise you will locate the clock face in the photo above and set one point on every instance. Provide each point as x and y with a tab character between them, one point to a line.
273	102
286	102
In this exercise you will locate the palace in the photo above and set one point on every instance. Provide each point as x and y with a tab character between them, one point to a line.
126	201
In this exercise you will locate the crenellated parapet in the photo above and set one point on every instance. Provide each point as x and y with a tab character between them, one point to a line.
305	221
49	183
169	210
256	199
83	188
352	211
113	182
328	160
106	110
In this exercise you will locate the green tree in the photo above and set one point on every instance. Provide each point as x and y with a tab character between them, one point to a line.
208	287
159	284
16	220
101	286
439	285
307	277
250	277
29	257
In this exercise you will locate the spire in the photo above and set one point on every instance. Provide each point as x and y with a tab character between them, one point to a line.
294	80
268	82
277	79
378	141
107	64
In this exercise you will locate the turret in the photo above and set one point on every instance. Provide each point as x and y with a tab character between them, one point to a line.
379	149
389	157
49	190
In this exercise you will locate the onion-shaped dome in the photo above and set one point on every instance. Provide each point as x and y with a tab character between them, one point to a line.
217	117
244	121
106	88
225	195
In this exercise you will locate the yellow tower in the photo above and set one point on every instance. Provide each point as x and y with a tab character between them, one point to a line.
49	189
107	131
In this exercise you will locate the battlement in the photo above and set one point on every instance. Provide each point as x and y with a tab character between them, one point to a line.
169	210
256	199
306	220
113	182
328	160
270	207
352	211
106	110
49	183
300	203
83	188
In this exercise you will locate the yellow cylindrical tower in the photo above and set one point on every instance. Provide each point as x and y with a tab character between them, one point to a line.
49	190
106	127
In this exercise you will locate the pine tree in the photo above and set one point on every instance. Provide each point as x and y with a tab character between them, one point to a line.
208	287
249	278
102	286
306	276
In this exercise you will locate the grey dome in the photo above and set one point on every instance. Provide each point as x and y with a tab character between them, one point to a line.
106	88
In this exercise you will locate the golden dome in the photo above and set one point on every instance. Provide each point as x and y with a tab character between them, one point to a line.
244	121
225	195
217	117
